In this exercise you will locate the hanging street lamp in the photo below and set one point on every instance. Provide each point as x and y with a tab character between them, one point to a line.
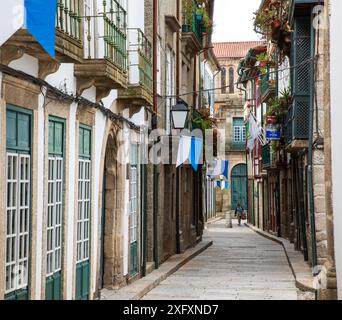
179	115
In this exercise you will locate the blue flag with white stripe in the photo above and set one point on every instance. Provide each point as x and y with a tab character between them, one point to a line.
196	152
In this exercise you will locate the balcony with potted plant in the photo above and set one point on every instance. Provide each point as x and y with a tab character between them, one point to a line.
196	22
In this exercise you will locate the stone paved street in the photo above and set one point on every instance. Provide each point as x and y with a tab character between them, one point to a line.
241	265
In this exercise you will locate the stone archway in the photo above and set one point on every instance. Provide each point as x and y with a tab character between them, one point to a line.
113	211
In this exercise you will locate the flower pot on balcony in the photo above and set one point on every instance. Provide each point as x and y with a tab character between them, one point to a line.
263	64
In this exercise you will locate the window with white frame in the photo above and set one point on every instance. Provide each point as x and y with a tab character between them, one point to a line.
18	207
55	196
84	195
134	174
18	204
54	216
239	134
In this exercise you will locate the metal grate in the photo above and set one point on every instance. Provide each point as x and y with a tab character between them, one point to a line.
301	122
302	55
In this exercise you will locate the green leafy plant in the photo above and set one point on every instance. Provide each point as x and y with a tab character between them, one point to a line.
278	106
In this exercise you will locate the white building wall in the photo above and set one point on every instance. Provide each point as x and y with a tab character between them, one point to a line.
71	205
336	116
27	64
40	195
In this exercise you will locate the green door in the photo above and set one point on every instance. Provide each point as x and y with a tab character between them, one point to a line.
239	186
18	203
54	230
83	214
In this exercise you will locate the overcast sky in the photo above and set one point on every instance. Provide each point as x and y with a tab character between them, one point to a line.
233	20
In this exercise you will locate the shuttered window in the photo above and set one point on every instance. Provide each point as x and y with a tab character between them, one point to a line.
18	201
84	194
55	196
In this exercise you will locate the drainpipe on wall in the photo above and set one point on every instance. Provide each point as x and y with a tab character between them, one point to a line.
155	126
310	157
178	246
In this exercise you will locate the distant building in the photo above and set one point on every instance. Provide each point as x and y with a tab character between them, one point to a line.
228	110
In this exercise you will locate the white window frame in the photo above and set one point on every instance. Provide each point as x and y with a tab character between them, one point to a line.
54	216
83	210
239	134
18	206
133	194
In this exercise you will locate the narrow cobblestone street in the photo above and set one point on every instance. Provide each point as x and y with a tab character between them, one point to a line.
241	265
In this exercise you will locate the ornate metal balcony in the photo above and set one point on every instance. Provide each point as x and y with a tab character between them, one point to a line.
105	53
140	83
69	42
192	31
268	87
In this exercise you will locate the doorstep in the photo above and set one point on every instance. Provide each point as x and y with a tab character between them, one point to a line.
300	269
141	287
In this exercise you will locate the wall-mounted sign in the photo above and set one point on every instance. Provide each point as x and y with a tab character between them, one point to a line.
272	133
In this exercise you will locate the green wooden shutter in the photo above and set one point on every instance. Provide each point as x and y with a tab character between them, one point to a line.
18	144
18	129
53	287
83	265
301	78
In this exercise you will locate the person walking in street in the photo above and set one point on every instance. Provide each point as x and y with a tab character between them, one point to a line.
239	212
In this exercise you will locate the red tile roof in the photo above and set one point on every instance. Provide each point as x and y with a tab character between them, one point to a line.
234	49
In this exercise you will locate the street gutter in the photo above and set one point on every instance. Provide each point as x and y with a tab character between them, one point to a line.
300	269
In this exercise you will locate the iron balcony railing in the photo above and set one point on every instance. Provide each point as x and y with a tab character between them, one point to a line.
110	39
194	23
238	146
68	18
140	59
266	156
268	86
297	121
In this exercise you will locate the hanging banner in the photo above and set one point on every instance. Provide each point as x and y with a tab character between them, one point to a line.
12	15
184	149
38	16
196	152
41	22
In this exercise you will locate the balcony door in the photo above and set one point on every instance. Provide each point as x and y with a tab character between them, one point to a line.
54	231
18	205
83	215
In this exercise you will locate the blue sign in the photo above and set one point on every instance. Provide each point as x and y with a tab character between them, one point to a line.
272	133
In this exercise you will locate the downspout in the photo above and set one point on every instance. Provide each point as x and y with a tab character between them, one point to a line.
155	126
310	156
178	246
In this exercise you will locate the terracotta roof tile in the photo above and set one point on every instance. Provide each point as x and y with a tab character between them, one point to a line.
234	49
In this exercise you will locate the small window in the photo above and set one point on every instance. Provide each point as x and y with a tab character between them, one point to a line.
223	80
231	80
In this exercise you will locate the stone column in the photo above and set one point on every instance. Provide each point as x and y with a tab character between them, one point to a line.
328	285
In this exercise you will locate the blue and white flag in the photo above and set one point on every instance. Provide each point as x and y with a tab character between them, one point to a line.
220	168
184	149
38	16
41	22
196	152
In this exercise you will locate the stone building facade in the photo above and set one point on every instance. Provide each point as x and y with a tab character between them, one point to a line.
229	112
81	210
